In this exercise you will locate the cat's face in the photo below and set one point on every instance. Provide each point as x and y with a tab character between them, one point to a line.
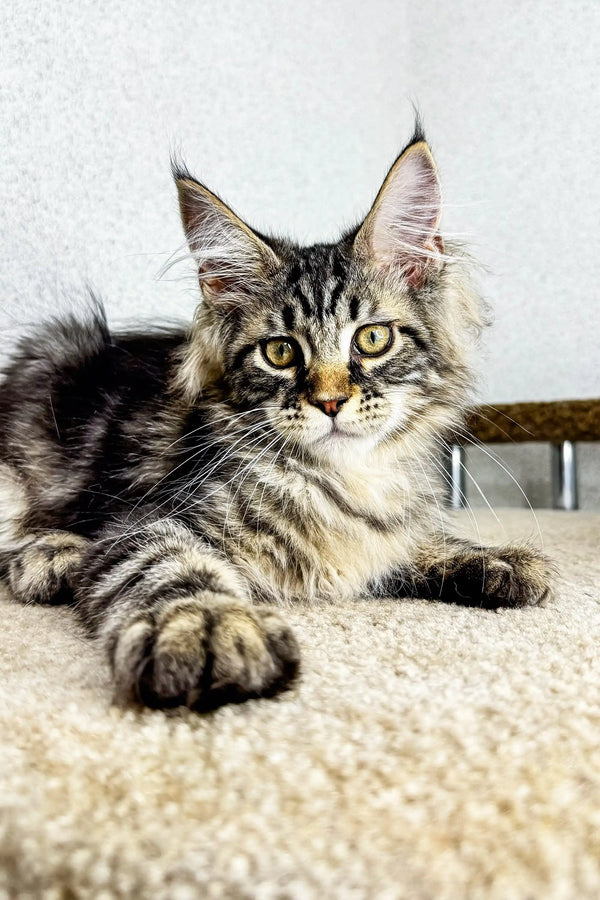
336	347
337	363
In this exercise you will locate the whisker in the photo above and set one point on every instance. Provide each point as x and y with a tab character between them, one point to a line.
477	443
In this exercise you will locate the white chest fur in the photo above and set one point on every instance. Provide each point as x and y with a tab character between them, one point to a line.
336	531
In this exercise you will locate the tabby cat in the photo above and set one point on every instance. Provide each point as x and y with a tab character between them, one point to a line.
179	489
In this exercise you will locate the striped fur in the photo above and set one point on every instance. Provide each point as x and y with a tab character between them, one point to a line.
173	483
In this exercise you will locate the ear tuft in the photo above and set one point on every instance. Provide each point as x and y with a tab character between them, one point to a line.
400	233
179	170
232	260
418	135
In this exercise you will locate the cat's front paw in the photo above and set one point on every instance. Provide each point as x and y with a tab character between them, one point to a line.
203	656
44	569
519	576
492	577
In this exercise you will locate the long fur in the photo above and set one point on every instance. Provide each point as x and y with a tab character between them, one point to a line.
171	483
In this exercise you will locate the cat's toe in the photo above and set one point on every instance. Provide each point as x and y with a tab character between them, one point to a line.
205	655
254	653
519	576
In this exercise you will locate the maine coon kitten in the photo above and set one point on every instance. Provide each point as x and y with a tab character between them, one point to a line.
184	486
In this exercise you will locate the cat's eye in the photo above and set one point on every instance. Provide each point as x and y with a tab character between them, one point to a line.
280	352
373	340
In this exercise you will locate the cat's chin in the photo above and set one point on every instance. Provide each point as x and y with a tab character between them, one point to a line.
339	436
339	444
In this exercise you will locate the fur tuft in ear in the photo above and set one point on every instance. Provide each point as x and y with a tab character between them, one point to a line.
400	233
232	260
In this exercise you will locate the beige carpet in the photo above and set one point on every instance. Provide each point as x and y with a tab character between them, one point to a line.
429	752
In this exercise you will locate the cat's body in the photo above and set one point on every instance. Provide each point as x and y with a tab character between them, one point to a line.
107	436
285	450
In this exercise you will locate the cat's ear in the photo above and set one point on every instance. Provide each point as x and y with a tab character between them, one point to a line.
400	233
233	262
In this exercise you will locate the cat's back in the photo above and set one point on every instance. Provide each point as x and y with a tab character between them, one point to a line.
75	403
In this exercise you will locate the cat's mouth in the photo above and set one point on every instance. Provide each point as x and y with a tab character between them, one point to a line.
336	433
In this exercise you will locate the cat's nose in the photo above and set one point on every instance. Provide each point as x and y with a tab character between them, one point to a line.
331	406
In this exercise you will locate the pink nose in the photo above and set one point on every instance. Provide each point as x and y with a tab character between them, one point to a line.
331	407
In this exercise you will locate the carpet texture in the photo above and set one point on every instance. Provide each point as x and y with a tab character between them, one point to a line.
429	752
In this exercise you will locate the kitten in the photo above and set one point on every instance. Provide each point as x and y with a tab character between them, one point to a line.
179	488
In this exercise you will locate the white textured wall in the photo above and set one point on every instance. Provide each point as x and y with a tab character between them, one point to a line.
292	111
511	93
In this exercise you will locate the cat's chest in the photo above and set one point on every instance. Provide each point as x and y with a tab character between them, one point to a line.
326	537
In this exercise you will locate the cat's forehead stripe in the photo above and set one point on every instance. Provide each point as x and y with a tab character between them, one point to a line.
303	299
336	290
317	279
289	319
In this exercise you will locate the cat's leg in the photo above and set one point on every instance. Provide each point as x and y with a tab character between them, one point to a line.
38	567
175	619
469	574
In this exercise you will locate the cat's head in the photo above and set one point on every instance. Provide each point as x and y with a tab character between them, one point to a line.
341	346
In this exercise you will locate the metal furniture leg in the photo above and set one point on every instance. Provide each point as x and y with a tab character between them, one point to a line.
564	476
455	464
